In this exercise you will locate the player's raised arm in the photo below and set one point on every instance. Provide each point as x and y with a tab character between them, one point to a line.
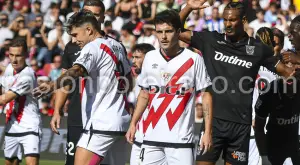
185	34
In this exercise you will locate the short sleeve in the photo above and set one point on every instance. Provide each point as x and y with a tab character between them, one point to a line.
87	58
143	77
198	39
52	36
23	85
202	78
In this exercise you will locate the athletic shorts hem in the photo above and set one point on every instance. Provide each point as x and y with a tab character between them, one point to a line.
12	158
90	151
32	155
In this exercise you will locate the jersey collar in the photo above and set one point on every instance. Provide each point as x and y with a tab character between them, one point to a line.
245	39
167	58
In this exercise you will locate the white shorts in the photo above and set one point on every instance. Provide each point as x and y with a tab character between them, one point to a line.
254	157
135	155
153	155
31	144
114	149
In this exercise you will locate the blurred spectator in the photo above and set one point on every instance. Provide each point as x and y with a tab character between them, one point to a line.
279	40
4	60
284	4
258	23
52	16
147	10
5	32
281	24
215	23
117	22
134	24
197	21
34	65
128	40
223	5
8	9
167	4
36	11
271	14
56	71
46	109
75	8
66	7
109	30
45	4
292	12
148	37
20	31
123	8
57	38
251	13
40	41
21	5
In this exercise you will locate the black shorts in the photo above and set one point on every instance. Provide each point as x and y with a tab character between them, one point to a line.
279	150
231	138
74	133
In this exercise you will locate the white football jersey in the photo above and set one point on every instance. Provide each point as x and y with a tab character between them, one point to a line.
264	76
172	85
22	114
102	104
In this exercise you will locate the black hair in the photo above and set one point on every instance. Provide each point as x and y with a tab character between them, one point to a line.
97	3
81	18
170	17
259	10
107	23
37	2
20	42
238	6
292	8
143	48
266	36
278	33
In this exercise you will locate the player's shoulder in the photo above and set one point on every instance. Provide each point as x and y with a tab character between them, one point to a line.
207	33
152	54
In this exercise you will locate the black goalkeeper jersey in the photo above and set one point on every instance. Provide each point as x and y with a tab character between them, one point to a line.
71	53
233	68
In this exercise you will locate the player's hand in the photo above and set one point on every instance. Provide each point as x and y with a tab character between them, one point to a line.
131	133
198	4
206	143
290	56
43	90
55	123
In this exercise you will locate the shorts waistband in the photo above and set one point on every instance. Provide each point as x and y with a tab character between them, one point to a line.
113	133
169	145
137	143
21	134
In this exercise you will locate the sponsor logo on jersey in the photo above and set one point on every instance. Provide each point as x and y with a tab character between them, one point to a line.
77	53
232	60
240	156
250	49
154	66
166	76
170	90
293	120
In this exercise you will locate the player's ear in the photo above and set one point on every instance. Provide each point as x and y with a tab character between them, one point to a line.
244	19
89	30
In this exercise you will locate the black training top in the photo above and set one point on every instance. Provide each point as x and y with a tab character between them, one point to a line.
233	68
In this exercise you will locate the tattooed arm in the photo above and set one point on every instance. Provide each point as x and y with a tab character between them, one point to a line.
206	141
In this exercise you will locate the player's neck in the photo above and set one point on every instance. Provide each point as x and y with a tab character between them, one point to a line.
95	36
19	70
237	37
172	51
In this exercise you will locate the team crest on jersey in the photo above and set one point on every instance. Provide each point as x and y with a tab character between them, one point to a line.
166	76
250	49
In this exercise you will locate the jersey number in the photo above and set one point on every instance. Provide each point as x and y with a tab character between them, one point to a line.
70	148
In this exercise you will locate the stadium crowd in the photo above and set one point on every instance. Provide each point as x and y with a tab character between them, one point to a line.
41	23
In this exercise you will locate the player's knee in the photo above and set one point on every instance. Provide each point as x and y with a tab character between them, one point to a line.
12	161
30	160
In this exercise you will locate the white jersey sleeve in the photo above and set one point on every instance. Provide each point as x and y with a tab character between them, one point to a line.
202	79
125	61
22	85
87	58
